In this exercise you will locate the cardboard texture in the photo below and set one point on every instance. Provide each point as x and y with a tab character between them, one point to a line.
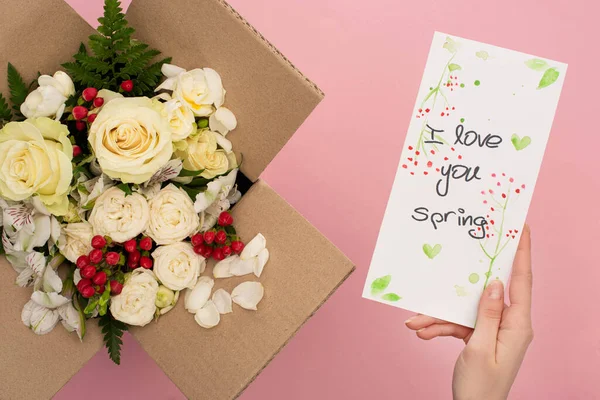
271	99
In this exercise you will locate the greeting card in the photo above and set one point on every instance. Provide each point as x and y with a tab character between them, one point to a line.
465	180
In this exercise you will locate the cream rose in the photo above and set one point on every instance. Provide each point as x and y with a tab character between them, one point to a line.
75	240
180	117
131	139
172	216
177	266
201	90
202	153
35	158
119	216
136	303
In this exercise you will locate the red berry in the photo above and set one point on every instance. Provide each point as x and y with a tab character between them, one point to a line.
146	262
237	246
225	219
197	239
199	249
98	242
96	256
99	278
88	272
83	283
218	254
83	261
206	252
221	237
79	112
134	257
130	245
100	289
88	292
92	118
80	126
116	287
98	102
76	151
89	94
127	85
226	251
146	243
112	258
209	237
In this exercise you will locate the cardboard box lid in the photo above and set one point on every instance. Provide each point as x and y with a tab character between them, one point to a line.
268	95
303	271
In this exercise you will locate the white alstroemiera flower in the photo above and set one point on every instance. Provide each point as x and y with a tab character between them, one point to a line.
48	100
219	196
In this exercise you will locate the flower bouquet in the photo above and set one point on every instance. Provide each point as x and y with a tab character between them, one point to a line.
123	191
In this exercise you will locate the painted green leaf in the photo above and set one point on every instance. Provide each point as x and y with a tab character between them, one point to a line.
460	291
520	143
549	77
536	64
430	251
484	55
391	297
380	284
454	67
451	45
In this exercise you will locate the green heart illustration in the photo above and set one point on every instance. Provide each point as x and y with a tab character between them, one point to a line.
431	252
520	143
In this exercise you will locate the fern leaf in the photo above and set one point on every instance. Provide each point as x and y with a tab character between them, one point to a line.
18	88
113	333
5	113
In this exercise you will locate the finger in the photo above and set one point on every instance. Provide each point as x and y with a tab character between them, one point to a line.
420	321
447	329
488	317
522	278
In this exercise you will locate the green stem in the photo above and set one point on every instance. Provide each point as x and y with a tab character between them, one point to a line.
489	272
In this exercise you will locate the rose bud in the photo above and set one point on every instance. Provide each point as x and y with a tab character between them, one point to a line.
225	219
88	272
79	112
146	243
96	256
98	102
83	283
130	245
112	258
197	239
145	262
209	237
226	251
127	85
218	254
237	246
83	261
116	287
91	118
221	237
80	126
76	151
89	94
88	292
98	242
100	278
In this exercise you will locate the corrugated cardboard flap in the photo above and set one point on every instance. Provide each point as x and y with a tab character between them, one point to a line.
269	96
303	271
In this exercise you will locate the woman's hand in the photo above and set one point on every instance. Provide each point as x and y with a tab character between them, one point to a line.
488	365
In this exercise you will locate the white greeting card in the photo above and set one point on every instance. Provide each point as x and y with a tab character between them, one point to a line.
466	176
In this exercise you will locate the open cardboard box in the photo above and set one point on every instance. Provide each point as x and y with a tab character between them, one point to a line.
271	99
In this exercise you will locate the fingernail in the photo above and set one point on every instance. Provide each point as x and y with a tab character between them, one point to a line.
408	320
495	289
420	330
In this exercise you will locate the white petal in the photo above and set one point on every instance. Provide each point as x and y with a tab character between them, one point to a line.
70	318
27	311
254	247
36	261
262	259
223	121
40	319
197	297
221	269
51	282
25	277
248	294
76	276
171	71
49	300
208	316
224	143
243	267
215	86
222	300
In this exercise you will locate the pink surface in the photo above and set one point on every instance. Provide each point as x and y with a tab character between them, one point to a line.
338	170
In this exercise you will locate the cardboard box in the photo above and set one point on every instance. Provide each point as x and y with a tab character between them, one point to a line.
271	99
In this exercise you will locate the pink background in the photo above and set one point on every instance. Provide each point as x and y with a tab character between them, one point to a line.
368	57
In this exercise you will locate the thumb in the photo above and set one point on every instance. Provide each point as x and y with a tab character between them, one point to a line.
489	315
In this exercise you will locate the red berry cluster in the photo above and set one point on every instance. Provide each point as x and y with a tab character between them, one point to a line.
81	113
139	253
220	242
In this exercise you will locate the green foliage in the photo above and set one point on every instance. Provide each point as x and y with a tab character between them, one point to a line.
18	89
112	331
116	57
380	284
125	188
5	114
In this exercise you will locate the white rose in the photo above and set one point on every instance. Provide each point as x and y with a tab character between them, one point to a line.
131	139
75	240
48	100
177	266
199	89
136	303
208	152
119	216
172	216
180	118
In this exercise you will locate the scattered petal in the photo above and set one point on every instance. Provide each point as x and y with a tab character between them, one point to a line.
248	294
222	300
196	298
208	316
254	247
243	267
222	268
262	259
